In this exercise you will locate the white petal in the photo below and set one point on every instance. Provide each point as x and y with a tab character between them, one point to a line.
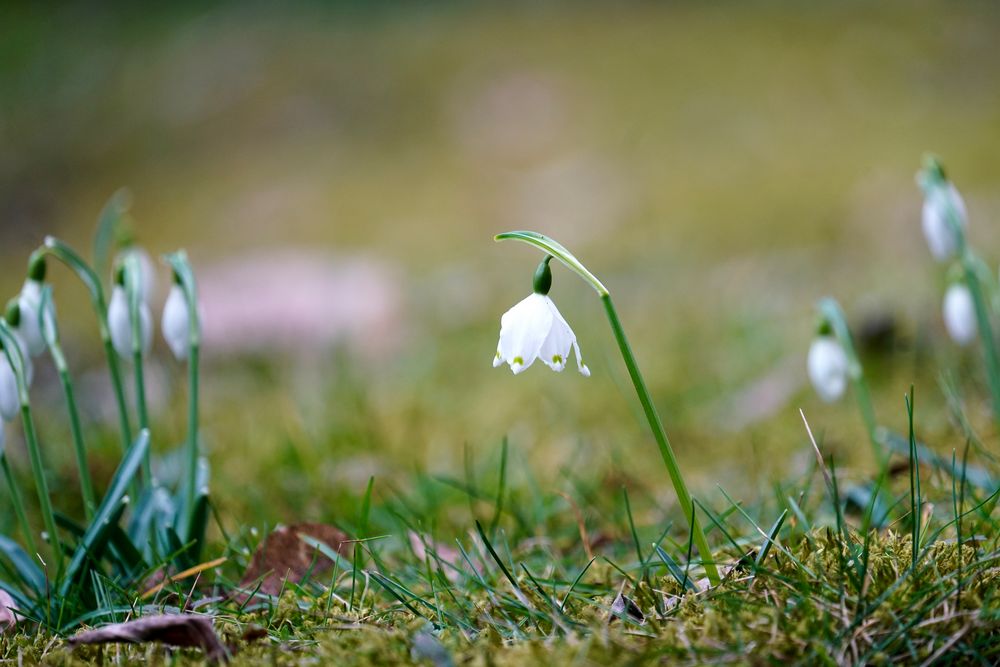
523	329
828	368
960	314
120	325
10	404
147	270
555	349
175	323
940	237
30	302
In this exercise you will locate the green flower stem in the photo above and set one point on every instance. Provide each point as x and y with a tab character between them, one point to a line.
134	294
70	258
833	314
985	330
184	276
18	503
666	451
934	183
11	348
51	335
558	251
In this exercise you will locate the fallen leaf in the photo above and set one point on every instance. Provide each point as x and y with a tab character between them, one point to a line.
181	630
284	555
624	606
8	609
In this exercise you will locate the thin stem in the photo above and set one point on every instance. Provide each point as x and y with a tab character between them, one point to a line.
985	331
17	502
70	258
834	315
192	441
12	349
666	451
50	332
184	277
133	290
86	483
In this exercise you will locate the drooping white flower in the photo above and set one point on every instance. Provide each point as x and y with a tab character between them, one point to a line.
828	368
937	230
147	270
534	329
30	302
176	322
959	313
120	325
10	402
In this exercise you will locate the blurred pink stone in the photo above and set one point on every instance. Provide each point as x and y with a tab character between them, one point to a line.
300	301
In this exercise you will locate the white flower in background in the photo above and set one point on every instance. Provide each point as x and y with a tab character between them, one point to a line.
147	270
10	403
960	314
30	302
534	329
120	326
937	230
176	322
828	368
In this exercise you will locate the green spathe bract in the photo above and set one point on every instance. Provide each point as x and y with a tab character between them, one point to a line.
558	251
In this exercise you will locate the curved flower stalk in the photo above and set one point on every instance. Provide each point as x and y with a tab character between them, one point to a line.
14	356
182	329
535	329
950	208
833	321
50	332
55	248
140	337
556	250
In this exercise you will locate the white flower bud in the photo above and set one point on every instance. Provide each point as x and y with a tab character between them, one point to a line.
960	314
176	322
828	368
120	325
30	303
937	230
10	402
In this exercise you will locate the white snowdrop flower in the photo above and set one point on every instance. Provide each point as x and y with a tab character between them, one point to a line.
176	322
147	270
937	230
960	314
828	368
30	302
120	326
534	329
10	402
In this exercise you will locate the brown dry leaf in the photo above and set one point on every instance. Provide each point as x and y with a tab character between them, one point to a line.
284	555
8	609
183	630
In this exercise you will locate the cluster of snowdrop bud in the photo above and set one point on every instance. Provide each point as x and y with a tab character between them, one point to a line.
175	323
944	216
827	365
535	329
120	321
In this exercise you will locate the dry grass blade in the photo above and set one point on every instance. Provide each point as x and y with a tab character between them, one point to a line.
181	630
190	572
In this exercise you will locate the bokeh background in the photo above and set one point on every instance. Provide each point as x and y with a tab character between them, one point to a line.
337	173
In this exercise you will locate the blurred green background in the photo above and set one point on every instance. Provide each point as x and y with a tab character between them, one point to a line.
719	167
